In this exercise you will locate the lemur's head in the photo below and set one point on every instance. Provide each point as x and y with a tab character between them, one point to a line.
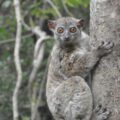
66	30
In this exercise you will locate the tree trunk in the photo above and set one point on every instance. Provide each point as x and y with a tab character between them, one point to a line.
105	26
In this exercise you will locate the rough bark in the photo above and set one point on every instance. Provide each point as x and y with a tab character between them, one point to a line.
105	26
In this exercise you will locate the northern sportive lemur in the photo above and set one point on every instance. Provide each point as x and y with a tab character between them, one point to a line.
69	96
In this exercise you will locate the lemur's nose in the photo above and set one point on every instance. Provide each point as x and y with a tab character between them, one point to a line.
67	39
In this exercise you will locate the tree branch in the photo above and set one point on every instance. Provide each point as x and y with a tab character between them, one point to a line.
54	7
17	60
37	60
13	39
66	9
38	57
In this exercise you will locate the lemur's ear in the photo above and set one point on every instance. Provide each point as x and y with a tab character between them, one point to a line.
80	23
51	24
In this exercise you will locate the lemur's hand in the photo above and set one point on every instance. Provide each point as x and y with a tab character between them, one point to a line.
101	113
105	48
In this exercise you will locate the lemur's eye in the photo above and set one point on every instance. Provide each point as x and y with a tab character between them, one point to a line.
60	30
73	29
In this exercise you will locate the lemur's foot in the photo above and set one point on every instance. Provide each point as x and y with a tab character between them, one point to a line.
101	113
105	48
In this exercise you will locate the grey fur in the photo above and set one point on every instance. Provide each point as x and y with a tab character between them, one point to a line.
69	97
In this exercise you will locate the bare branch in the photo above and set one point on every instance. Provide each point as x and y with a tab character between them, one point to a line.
36	30
13	39
38	99
38	57
36	65
17	60
37	60
54	7
39	43
66	9
33	90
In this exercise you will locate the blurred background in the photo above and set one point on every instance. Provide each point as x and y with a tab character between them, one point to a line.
34	13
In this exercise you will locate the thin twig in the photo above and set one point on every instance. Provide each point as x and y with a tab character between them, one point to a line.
39	43
35	87
13	39
36	30
42	37
66	9
54	7
38	57
17	60
37	60
36	64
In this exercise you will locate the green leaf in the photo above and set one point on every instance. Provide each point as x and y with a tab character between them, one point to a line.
25	118
3	33
35	5
58	3
76	3
44	13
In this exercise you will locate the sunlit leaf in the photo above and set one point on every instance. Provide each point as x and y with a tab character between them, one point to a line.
76	3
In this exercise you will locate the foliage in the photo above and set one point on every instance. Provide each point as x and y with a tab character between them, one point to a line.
73	3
